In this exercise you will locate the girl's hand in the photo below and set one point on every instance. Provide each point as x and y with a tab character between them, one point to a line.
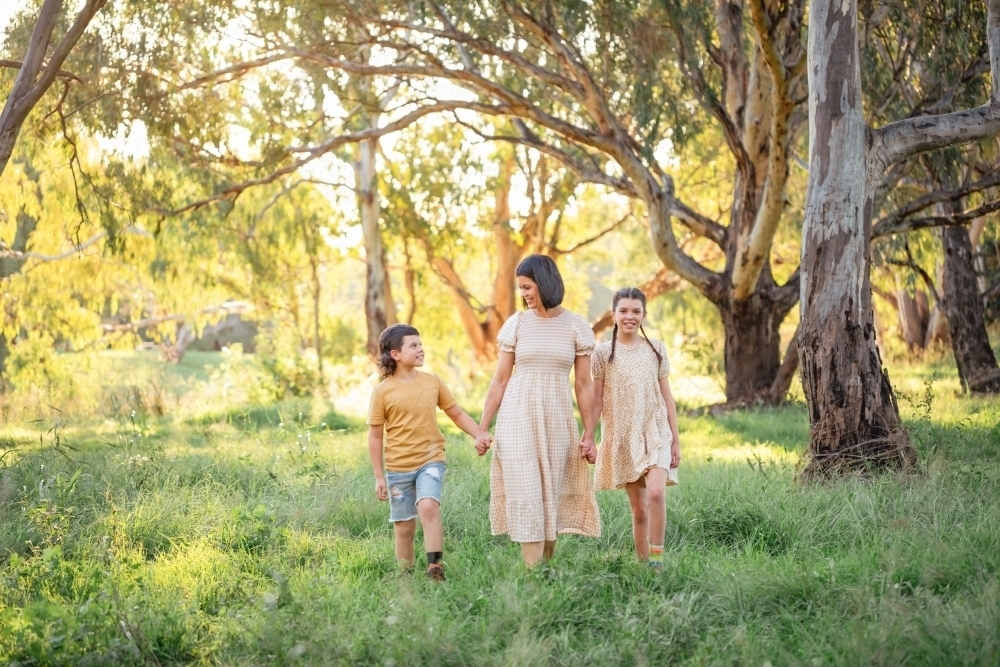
483	442
381	491
588	449
675	453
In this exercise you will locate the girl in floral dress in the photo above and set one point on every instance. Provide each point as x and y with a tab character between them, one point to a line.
640	447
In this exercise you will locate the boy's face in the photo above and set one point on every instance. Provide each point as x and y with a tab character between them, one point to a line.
411	353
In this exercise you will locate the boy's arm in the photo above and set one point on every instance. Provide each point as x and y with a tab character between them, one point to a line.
462	420
668	398
375	452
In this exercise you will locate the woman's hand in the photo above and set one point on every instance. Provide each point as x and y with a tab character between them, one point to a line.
483	442
588	449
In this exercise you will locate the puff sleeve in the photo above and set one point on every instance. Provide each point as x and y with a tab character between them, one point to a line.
665	365
585	341
599	362
507	336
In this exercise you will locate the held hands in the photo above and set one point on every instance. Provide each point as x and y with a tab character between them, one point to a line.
483	442
588	450
381	491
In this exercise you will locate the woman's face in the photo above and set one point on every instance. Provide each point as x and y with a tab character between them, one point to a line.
529	292
629	314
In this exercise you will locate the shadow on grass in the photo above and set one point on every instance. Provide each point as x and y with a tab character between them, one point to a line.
786	426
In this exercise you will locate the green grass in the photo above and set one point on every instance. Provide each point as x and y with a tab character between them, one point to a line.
251	535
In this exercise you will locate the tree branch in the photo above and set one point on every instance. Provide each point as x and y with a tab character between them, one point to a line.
62	74
6	253
557	252
935	220
238	307
936	197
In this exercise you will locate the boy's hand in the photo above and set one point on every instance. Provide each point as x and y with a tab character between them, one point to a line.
483	442
381	491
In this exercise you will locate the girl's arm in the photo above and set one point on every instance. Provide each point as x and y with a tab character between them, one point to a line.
583	384
498	385
598	400
668	398
375	452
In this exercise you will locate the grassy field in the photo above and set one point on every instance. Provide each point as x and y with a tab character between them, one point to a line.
252	536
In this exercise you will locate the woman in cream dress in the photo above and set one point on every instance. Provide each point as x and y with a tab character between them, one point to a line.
539	481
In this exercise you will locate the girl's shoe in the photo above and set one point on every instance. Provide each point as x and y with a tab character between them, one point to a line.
435	572
657	567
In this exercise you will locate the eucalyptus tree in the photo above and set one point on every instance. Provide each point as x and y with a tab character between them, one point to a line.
41	63
854	419
601	87
451	194
911	67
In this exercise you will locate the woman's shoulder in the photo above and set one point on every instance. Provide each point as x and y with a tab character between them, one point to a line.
575	320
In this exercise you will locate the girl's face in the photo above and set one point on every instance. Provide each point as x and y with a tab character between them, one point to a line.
628	315
410	353
529	292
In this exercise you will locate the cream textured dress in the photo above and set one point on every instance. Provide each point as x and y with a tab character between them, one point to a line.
539	484
635	431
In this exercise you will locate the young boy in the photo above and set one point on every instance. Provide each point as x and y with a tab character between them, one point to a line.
405	404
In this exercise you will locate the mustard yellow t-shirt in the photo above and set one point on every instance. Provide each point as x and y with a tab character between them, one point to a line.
408	409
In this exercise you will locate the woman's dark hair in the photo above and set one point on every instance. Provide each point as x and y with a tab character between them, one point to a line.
631	293
543	272
389	340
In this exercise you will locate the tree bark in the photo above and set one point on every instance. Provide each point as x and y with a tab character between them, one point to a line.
977	367
380	309
853	416
753	346
786	373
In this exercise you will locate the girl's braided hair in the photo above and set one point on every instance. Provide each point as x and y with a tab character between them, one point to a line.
389	340
631	293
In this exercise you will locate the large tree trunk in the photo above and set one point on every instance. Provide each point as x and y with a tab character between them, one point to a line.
977	367
380	309
853	417
753	346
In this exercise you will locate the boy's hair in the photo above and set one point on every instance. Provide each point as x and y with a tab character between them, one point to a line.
543	271
389	340
631	293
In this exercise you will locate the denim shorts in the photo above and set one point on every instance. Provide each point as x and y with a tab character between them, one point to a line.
406	489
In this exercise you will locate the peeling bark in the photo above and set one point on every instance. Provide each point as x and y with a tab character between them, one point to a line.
853	415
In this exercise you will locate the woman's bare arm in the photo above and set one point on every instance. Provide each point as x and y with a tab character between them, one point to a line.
498	385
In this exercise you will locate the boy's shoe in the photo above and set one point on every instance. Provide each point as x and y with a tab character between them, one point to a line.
655	566
435	572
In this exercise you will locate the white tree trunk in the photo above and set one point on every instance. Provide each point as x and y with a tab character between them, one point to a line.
852	412
380	309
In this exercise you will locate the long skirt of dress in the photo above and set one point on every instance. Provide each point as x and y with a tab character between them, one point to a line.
539	484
